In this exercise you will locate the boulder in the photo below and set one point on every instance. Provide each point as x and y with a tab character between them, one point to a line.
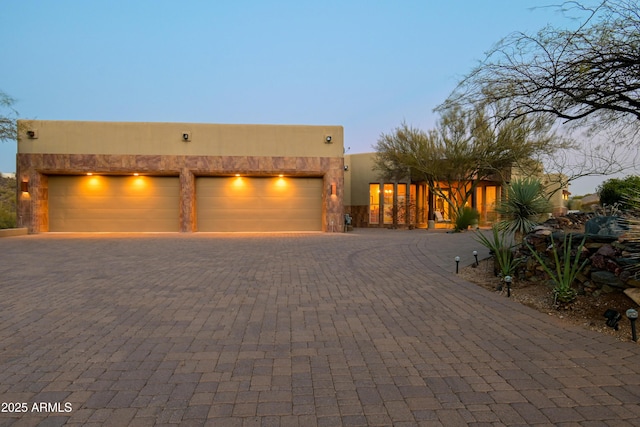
606	250
606	278
634	294
605	226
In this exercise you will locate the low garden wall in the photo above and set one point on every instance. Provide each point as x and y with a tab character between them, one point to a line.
612	248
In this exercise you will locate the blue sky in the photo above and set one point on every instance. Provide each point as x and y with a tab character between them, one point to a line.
365	65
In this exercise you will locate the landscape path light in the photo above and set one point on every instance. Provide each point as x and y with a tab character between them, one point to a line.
632	315
475	255
507	280
457	263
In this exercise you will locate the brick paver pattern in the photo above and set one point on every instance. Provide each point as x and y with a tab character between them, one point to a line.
368	328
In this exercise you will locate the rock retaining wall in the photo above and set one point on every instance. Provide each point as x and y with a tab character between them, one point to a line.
613	252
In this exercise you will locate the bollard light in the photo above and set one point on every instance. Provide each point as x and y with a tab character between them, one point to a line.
632	315
507	280
475	255
457	263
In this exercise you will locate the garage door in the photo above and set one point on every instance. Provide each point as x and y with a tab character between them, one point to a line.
114	203
259	204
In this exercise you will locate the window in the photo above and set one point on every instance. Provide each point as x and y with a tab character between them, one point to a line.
374	203
402	203
413	205
388	203
442	206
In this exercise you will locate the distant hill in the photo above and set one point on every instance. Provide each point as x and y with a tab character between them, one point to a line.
7	202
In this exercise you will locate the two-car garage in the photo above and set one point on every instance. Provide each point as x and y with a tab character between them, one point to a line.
105	203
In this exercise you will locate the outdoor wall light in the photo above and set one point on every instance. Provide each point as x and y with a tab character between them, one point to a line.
332	190
632	315
32	134
457	259
507	280
346	167
327	139
24	186
186	136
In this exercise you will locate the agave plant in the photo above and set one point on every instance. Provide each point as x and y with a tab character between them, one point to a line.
501	249
523	207
564	270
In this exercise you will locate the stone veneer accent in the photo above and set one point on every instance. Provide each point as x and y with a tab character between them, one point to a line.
33	208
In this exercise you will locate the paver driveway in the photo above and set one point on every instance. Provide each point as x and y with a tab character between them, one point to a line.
365	328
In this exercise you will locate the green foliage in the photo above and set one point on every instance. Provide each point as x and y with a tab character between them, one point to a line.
565	268
617	191
523	206
465	148
499	245
466	217
7	202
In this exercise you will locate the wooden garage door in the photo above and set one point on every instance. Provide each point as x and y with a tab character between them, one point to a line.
114	203
259	204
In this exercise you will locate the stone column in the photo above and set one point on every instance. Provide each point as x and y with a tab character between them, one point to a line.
187	201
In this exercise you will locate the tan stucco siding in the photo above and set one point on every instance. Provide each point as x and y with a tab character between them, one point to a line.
361	174
71	137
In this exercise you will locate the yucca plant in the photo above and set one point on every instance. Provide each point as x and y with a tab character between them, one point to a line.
501	248
523	207
564	270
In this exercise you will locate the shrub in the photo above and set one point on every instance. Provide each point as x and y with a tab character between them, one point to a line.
466	217
616	191
499	245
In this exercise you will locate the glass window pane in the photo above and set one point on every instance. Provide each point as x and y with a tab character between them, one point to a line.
374	203
402	203
388	203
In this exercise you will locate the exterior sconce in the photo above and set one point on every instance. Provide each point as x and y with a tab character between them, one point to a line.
346	168
186	136
332	190
32	134
327	139
24	186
